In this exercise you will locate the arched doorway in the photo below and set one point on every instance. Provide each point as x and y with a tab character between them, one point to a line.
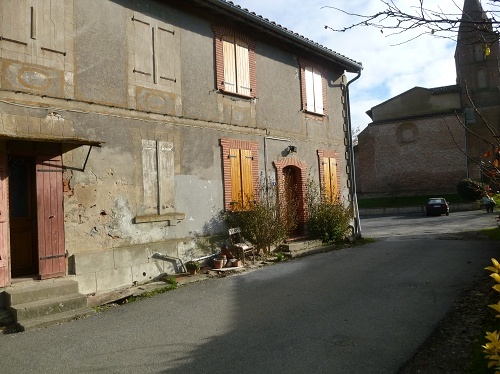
292	180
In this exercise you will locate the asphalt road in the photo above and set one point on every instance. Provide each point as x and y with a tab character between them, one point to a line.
360	310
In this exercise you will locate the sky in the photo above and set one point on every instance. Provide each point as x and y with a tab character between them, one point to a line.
388	69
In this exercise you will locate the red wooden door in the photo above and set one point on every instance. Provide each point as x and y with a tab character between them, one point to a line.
4	222
49	190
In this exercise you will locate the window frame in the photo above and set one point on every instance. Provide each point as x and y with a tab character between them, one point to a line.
229	146
307	91
326	191
223	37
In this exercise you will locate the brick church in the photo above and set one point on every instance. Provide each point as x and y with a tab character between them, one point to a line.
425	140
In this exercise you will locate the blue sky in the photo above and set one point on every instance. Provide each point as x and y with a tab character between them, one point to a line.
388	70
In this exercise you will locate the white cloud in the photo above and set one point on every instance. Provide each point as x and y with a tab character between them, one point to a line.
388	70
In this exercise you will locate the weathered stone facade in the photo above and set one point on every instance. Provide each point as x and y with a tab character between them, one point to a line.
118	102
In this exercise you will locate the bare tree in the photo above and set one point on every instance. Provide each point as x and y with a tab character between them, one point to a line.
417	17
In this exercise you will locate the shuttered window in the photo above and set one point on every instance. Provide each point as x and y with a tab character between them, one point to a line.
330	175
236	66
158	176
241	178
235	62
314	90
154	53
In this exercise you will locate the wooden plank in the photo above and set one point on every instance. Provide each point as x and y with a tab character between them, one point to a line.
246	177
242	68
229	55
236	191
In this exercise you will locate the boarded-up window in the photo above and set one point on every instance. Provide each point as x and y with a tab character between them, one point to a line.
241	178
154	54
158	176
314	90
330	174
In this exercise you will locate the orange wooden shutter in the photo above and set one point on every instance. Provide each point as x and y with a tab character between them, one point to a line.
326	169
236	193
246	177
4	223
333	178
49	191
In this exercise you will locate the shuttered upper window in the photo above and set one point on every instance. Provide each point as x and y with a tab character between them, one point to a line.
235	62
241	178
313	87
154	52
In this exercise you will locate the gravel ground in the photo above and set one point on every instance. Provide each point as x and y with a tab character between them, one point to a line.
450	348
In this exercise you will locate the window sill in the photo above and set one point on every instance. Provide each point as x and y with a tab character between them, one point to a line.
171	217
235	94
314	114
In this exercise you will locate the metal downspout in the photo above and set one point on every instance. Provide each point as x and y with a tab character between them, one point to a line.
352	175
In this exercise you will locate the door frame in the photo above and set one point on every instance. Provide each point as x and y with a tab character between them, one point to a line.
50	215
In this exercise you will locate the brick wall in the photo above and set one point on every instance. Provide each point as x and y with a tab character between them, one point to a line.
410	157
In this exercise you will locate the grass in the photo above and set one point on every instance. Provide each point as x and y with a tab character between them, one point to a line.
397	201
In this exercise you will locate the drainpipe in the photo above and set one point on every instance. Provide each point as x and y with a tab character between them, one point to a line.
352	175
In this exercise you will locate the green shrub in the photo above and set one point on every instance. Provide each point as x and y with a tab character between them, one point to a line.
470	190
266	222
329	219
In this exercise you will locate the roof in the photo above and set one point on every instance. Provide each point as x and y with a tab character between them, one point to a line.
287	36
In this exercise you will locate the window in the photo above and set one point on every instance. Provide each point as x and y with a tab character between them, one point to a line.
41	23
329	174
235	62
158	176
313	86
241	180
154	59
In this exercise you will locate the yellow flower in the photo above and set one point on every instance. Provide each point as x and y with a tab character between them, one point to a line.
496	277
496	307
495	268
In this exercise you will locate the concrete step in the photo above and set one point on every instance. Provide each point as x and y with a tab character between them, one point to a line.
34	291
42	308
55	318
302	247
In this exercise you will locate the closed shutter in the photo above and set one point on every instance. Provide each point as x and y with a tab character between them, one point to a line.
318	92
236	193
246	177
165	175
309	89
143	49
14	21
49	191
228	52
4	222
243	68
50	24
330	174
166	56
150	176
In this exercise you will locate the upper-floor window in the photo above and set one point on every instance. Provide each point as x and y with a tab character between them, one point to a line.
313	87
235	62
37	23
154	52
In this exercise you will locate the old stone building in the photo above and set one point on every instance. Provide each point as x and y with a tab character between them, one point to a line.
424	141
127	125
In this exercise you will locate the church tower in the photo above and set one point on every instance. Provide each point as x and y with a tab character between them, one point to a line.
477	58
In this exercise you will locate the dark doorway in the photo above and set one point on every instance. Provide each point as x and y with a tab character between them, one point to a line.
292	199
23	216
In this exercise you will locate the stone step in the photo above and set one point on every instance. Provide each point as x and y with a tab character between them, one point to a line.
34	291
54	319
42	308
